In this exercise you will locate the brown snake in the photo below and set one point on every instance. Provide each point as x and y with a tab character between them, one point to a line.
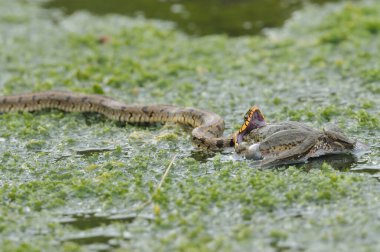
207	130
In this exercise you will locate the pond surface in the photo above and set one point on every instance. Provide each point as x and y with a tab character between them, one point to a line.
80	182
198	17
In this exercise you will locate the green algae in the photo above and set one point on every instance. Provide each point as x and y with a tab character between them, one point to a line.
308	71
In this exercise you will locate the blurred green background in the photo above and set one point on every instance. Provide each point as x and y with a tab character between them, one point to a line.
198	17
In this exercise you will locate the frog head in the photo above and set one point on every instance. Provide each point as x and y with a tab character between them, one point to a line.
335	141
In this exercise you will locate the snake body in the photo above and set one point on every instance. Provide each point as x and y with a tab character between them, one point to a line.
207	126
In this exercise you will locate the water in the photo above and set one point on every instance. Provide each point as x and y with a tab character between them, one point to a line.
198	17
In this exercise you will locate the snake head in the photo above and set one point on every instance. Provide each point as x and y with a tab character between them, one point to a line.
253	119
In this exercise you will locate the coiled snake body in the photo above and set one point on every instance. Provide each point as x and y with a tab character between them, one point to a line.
207	130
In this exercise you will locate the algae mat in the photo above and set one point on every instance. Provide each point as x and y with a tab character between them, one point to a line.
75	182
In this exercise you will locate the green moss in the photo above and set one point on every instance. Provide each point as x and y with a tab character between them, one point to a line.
373	26
97	89
11	246
367	120
371	75
329	112
277	235
334	37
35	144
307	71
71	247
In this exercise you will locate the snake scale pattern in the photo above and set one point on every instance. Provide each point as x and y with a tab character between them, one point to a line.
207	126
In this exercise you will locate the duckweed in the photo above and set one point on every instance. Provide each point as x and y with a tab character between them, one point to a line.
309	70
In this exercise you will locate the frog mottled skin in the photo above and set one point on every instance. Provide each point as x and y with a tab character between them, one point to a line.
291	142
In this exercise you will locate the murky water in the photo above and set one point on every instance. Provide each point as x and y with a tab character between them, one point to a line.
232	17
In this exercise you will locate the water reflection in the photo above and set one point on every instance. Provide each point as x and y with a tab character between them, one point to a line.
341	162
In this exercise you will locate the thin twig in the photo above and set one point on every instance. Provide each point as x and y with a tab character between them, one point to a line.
148	202
165	174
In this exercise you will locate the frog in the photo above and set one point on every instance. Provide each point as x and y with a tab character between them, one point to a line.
288	142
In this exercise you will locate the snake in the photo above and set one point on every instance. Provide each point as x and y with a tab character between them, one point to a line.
207	127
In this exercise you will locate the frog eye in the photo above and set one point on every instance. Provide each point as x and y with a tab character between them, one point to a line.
246	117
249	113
